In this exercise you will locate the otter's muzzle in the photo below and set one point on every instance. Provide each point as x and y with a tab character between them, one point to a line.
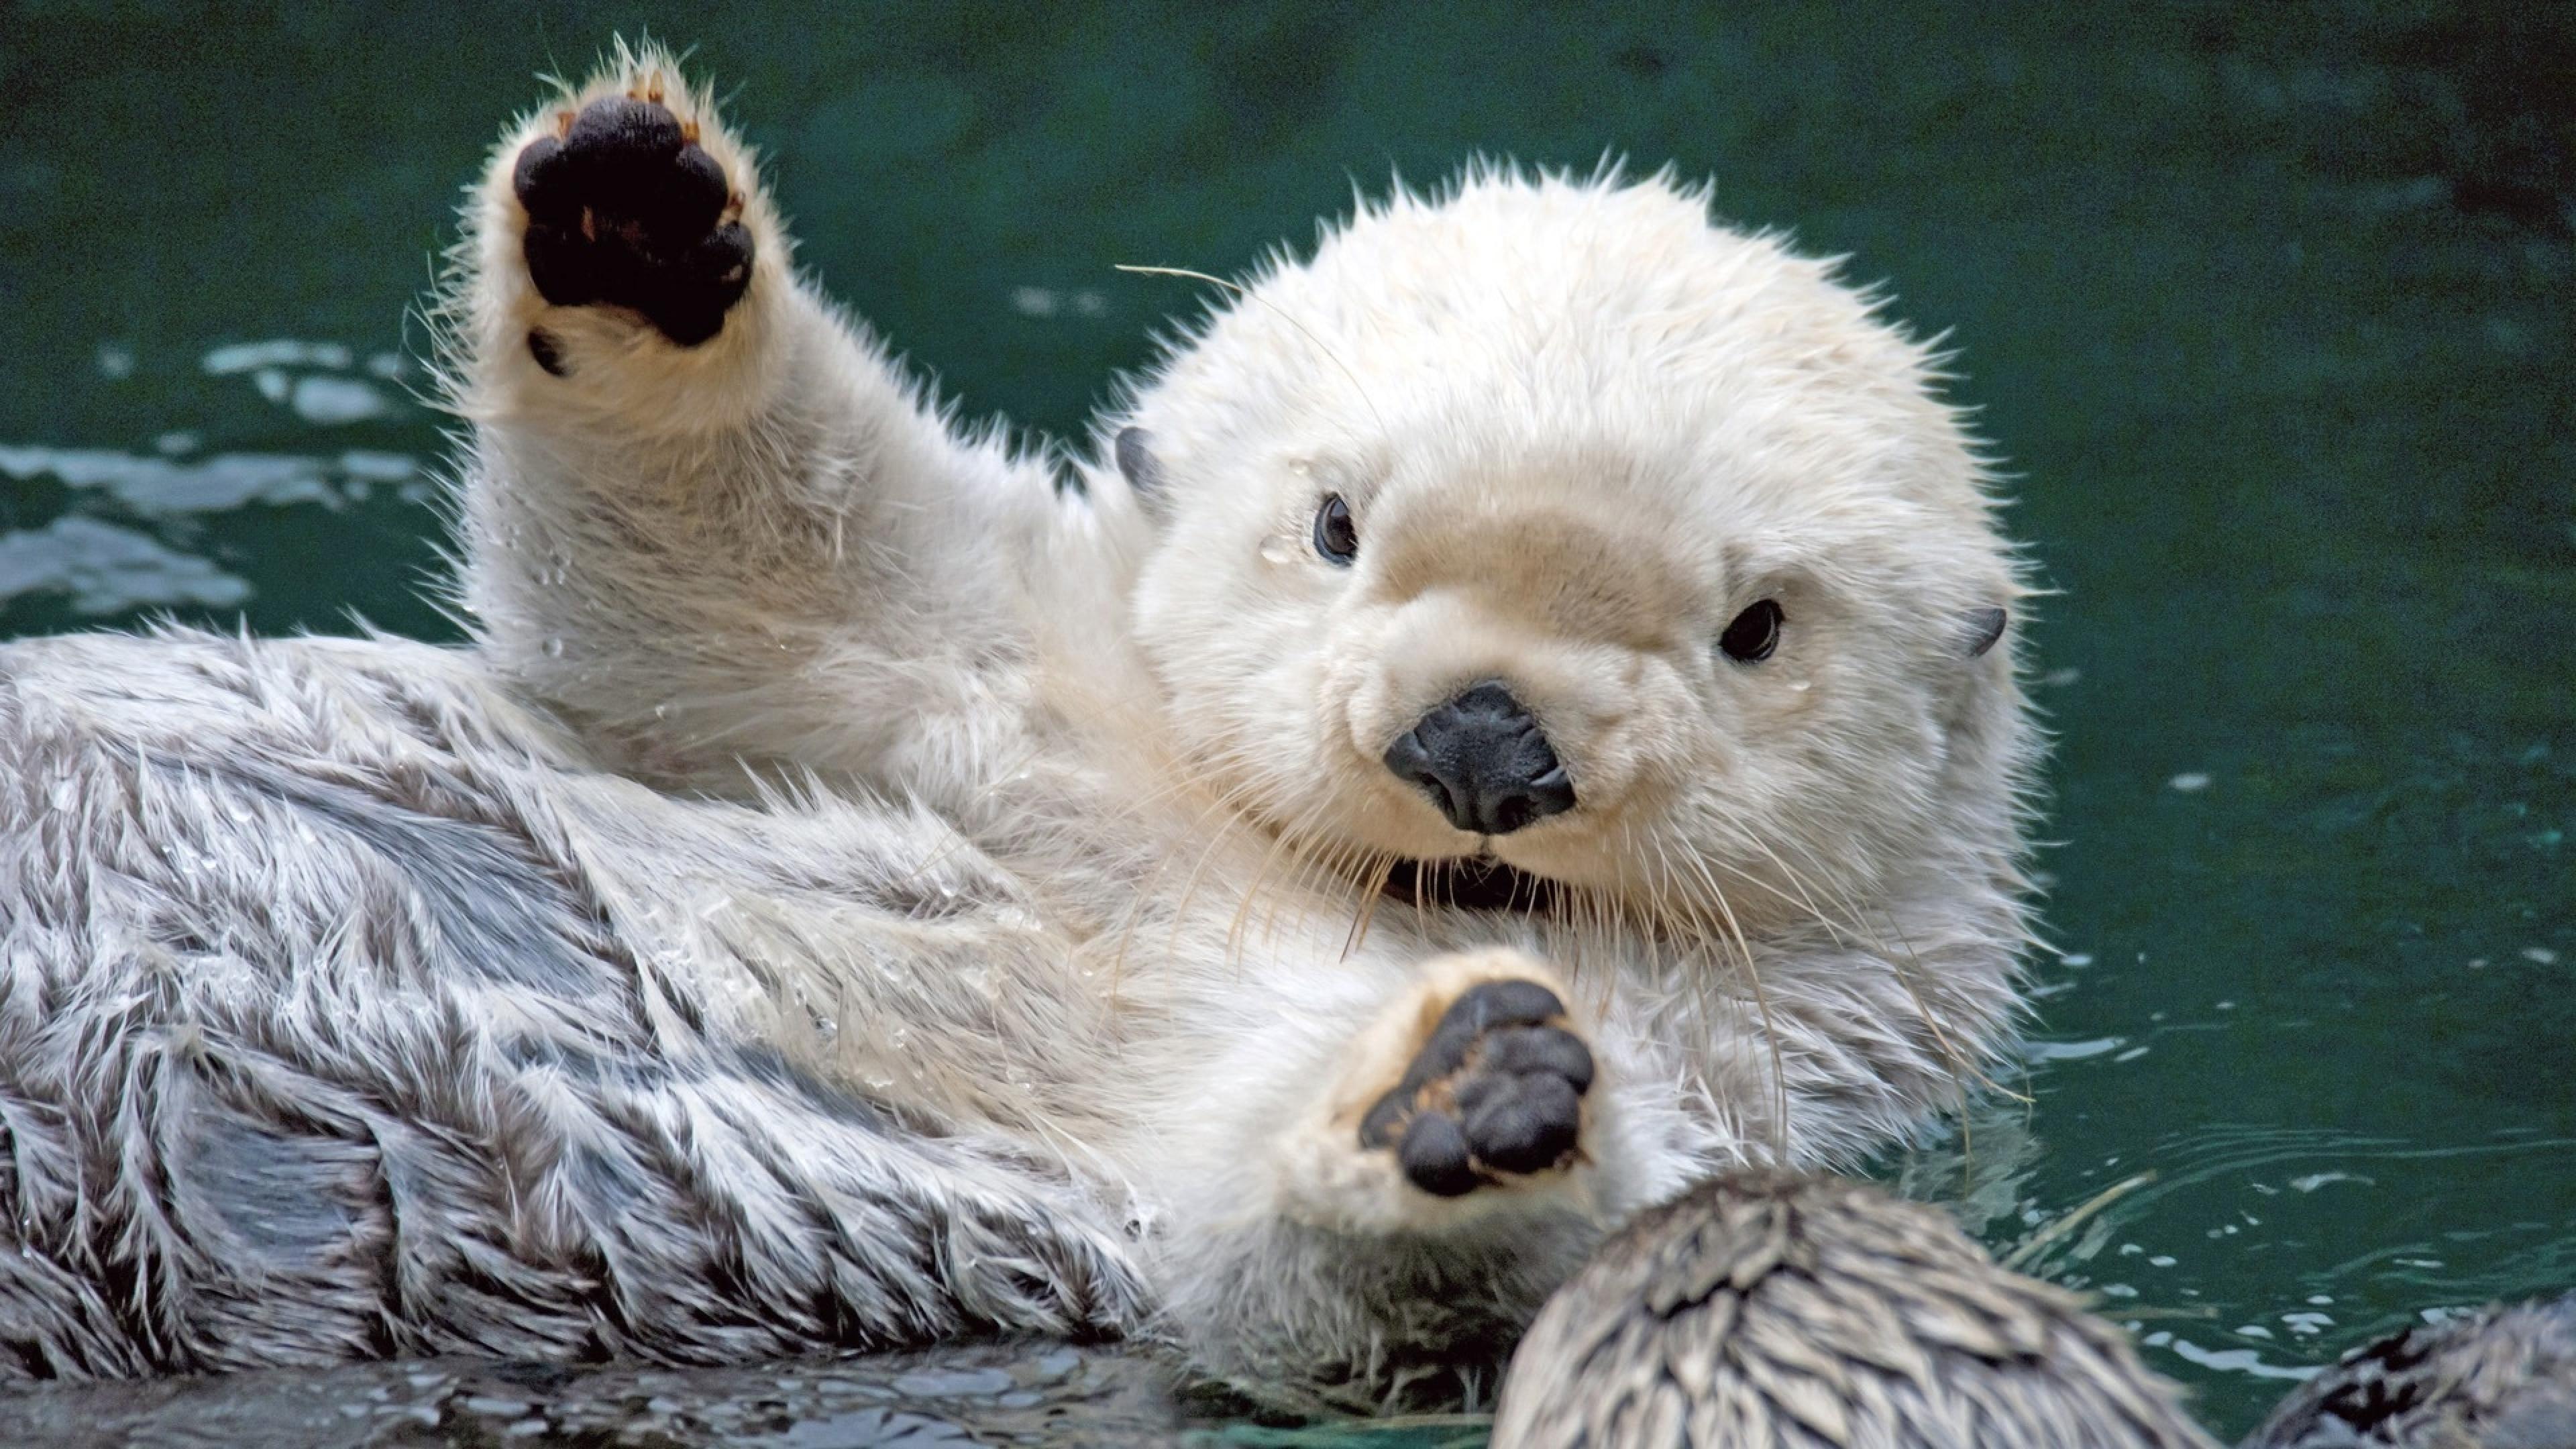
1484	762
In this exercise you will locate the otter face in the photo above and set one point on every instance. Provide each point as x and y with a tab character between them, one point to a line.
1551	522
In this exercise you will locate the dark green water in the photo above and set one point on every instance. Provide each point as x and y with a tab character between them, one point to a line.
2271	311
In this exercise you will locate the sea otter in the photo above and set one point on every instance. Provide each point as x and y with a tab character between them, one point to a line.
1516	711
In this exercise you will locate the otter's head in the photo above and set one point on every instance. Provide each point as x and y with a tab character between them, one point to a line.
1551	522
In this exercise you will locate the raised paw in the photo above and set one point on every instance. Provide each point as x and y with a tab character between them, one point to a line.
626	209
1495	1091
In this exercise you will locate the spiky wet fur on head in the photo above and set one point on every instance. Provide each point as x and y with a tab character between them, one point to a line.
1816	1313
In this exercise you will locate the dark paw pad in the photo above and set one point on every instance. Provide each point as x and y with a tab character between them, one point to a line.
627	211
1498	1089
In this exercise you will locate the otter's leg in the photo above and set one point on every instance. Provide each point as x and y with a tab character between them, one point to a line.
1469	1093
1306	1259
703	515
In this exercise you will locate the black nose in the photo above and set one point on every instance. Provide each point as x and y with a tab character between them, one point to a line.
1484	762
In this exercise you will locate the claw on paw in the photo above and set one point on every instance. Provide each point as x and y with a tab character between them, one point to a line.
1494	1092
626	209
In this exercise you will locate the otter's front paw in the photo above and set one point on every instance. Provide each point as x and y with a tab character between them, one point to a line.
1495	1091
626	209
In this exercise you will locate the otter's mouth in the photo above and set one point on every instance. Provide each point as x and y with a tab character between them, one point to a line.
1479	884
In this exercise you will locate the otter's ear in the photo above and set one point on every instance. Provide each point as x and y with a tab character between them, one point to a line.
1979	629
1137	464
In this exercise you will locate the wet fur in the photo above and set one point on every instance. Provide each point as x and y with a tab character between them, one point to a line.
851	891
1808	1312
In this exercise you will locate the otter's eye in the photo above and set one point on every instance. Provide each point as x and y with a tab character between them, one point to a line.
1336	537
1753	635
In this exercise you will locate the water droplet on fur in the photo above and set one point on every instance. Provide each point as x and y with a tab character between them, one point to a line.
61	795
554	648
661	711
1301	466
1278	550
1801	686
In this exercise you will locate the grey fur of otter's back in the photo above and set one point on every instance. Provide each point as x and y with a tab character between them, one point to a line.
232	1133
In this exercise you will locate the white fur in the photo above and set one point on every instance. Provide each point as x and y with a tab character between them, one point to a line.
1060	816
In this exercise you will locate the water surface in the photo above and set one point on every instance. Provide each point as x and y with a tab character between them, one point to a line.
2269	313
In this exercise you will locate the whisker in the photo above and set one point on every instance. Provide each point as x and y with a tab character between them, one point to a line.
1368	904
1761	1001
1961	1067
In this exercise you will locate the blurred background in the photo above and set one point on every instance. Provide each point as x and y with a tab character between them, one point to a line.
2268	307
